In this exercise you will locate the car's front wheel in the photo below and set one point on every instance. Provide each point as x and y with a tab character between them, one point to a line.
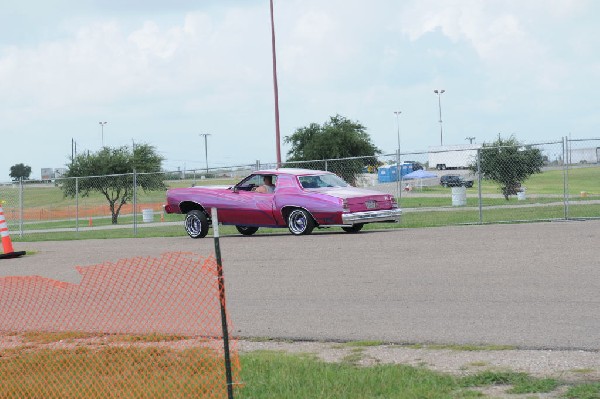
300	222
354	228
246	230
196	224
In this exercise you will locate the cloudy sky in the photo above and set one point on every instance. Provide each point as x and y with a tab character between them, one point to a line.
163	72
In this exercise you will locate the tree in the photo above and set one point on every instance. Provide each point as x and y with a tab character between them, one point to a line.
337	138
19	171
113	170
509	163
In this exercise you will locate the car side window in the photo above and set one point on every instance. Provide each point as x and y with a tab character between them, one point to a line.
253	181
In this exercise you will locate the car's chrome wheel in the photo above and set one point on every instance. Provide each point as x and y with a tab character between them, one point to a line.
196	224
300	222
247	230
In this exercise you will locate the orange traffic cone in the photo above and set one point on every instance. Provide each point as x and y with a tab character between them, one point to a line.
9	252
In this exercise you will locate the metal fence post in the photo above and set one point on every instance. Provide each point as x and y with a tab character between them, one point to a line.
134	202
221	282
21	207
479	179
77	204
398	178
565	149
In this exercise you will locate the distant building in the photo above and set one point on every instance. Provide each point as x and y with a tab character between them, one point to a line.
584	155
49	174
59	172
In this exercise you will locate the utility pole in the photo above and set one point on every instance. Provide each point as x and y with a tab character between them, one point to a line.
275	89
206	149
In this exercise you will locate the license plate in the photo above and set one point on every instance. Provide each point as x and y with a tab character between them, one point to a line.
371	204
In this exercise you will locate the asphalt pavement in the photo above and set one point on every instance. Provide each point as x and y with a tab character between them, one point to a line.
529	285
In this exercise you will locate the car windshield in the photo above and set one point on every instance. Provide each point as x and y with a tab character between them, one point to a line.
319	181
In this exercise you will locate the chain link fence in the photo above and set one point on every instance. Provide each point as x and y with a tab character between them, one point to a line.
442	186
137	328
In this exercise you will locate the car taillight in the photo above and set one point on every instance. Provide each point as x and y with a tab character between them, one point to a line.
393	202
345	207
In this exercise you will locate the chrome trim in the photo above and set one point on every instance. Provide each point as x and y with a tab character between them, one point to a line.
390	215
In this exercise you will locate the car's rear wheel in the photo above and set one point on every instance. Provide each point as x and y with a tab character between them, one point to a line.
246	230
354	228
196	224
300	222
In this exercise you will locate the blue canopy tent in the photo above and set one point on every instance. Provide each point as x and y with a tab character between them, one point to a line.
420	175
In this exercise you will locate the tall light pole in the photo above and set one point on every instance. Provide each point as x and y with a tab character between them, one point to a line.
470	138
102	128
439	94
398	167
206	149
397	113
275	88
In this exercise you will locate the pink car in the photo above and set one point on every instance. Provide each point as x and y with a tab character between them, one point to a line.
302	199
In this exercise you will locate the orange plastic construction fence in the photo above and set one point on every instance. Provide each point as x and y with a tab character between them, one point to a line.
140	327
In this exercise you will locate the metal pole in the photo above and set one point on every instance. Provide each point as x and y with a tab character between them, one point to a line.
77	204
275	89
102	128
439	94
206	150
21	207
221	281
565	150
398	167
134	203
479	185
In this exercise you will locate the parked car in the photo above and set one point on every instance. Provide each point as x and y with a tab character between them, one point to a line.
302	200
455	181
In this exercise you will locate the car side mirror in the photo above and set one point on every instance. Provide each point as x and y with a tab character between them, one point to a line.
235	189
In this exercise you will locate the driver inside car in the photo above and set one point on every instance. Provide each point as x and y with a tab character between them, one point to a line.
268	186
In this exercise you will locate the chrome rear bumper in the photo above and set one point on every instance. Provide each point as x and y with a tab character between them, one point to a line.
390	215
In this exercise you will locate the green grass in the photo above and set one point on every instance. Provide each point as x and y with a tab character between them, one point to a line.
584	391
520	382
275	375
548	182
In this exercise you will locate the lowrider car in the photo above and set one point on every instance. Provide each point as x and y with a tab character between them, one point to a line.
302	200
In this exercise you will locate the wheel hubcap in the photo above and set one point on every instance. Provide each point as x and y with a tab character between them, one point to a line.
193	225
297	222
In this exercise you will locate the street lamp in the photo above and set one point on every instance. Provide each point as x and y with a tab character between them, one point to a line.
397	113
398	167
439	94
470	138
206	149
102	128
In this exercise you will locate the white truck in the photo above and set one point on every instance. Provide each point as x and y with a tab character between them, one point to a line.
453	156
